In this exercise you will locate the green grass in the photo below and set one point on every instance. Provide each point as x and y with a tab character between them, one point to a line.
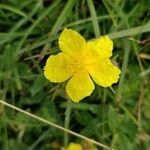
118	118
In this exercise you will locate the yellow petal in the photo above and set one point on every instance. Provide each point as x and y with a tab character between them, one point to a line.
55	69
71	42
79	86
74	146
104	73
101	46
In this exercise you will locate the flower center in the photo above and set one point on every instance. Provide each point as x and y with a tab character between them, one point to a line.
76	65
81	62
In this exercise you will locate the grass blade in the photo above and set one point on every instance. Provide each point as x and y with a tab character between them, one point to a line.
62	17
14	10
46	12
94	17
131	31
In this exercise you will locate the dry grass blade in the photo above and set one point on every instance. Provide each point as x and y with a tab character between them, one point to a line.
55	125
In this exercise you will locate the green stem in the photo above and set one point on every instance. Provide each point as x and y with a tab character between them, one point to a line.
67	121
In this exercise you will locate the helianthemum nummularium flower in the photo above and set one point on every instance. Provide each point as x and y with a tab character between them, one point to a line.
81	62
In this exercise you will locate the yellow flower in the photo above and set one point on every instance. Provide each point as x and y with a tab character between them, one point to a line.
80	62
74	146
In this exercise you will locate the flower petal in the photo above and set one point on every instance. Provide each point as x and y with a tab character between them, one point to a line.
79	86
104	73
74	146
55	69
101	46
71	42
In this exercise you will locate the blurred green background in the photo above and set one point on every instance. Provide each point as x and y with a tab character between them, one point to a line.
29	31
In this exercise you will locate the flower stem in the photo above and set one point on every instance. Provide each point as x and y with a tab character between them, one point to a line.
67	121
